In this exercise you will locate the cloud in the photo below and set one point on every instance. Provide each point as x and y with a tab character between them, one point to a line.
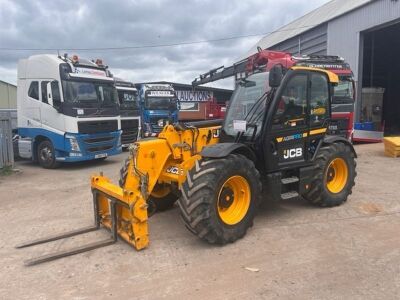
89	24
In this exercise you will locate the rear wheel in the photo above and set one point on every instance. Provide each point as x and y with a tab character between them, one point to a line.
220	197
161	198
46	155
334	176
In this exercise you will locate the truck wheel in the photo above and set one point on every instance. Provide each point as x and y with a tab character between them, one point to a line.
161	197
220	197
46	155
334	176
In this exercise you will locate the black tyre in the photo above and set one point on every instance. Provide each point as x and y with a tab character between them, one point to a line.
335	172
161	199
220	198
46	155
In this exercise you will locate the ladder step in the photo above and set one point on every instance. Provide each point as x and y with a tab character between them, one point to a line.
289	195
290	180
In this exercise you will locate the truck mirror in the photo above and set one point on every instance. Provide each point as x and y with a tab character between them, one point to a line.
55	94
49	94
275	76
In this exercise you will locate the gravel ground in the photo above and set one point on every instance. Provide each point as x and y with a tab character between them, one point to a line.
294	250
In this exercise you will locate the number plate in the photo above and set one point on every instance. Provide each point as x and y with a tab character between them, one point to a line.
100	155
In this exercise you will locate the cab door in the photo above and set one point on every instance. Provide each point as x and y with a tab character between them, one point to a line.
51	118
289	126
300	109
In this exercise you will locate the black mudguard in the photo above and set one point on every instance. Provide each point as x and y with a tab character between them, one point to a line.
224	149
330	139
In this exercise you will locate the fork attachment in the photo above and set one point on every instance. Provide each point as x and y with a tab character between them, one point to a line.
114	210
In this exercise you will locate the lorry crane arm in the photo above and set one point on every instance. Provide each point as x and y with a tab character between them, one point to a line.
263	59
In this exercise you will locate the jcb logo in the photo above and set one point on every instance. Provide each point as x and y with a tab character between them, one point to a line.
173	170
292	153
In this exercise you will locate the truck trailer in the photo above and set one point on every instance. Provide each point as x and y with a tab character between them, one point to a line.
67	110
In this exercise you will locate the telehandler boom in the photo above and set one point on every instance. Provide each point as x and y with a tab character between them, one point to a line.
273	143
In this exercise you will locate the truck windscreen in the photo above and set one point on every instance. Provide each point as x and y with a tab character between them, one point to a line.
160	103
88	93
128	99
344	89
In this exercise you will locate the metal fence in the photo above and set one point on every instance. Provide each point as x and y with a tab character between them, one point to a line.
6	144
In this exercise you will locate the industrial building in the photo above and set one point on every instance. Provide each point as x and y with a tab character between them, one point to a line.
8	102
8	95
366	33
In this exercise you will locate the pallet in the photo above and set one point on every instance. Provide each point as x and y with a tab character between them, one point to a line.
392	146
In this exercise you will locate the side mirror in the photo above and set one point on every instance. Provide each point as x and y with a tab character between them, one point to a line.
54	92
49	94
275	76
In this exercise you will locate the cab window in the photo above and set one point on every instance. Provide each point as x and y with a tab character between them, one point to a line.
319	99
292	106
33	90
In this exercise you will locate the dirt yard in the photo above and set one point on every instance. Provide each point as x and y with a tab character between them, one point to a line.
294	250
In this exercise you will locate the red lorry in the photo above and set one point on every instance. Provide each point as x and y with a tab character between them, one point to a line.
343	101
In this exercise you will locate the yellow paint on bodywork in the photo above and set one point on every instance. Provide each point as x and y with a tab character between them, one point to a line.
150	163
333	78
318	131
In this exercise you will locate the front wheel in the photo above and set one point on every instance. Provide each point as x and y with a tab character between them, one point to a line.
220	198
334	175
46	155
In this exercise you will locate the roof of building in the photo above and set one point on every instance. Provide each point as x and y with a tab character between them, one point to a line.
189	86
321	15
7	83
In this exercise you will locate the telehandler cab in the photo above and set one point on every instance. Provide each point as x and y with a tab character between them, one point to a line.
273	143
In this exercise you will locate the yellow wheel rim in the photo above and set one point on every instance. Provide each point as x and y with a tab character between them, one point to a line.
234	200
160	191
336	175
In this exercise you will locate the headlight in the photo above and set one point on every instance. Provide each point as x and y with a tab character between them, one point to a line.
73	143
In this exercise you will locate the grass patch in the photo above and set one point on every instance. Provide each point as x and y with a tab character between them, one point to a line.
6	171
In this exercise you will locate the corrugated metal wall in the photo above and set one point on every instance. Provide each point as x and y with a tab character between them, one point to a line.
313	41
8	95
345	36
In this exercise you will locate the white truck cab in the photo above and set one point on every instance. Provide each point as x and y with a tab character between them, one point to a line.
67	110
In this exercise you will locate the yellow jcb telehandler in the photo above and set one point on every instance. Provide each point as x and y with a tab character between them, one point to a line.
273	143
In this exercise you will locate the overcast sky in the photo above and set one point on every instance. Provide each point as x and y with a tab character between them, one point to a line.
90	24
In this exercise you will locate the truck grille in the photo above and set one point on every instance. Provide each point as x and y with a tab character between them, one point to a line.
99	148
98	140
129	131
97	126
